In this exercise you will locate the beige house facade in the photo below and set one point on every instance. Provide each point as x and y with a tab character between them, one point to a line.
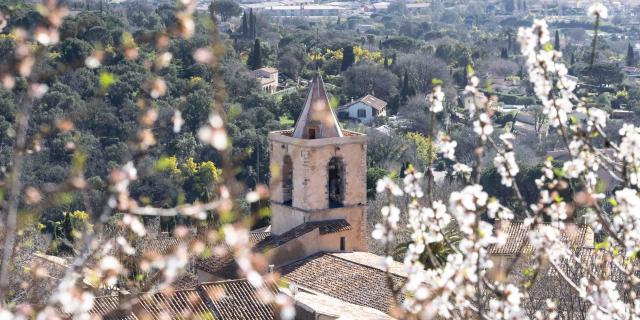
268	78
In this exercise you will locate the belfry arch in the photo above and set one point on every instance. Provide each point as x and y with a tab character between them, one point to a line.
336	182
287	180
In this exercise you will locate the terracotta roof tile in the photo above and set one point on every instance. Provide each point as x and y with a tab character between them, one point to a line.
108	308
517	235
181	304
187	281
224	300
258	236
342	279
325	227
162	244
236	299
224	266
317	114
268	69
368	100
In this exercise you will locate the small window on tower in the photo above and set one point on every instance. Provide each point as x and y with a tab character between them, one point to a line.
312	133
343	244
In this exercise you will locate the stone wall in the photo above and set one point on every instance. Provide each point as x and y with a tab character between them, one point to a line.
310	159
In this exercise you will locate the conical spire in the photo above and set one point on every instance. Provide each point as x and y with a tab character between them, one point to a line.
317	119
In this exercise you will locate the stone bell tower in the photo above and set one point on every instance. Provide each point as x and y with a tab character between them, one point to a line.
318	173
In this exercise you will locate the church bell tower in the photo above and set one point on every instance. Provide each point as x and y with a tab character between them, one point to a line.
318	173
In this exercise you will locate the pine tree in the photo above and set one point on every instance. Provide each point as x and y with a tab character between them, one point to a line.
379	44
386	62
573	58
348	58
556	45
245	26
631	57
255	57
504	54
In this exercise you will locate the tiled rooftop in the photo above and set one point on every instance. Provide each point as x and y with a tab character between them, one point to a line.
517	233
224	300
342	279
107	308
236	299
369	100
182	304
224	266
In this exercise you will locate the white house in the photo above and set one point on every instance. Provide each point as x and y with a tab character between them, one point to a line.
365	109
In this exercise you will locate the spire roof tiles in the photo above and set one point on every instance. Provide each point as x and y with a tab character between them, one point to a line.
317	119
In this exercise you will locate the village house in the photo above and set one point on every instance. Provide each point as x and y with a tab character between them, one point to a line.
268	78
364	110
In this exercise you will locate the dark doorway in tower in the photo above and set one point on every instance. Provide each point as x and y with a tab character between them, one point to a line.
287	180
336	182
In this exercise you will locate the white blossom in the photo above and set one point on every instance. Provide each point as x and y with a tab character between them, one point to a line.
483	126
507	167
436	98
598	9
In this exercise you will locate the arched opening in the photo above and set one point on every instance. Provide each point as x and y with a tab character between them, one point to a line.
335	171
287	180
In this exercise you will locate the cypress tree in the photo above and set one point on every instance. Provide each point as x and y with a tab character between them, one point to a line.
393	58
405	91
631	57
252	25
67	231
386	62
348	58
504	54
556	45
255	57
245	25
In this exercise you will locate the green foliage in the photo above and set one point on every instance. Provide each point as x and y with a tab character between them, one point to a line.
600	73
373	175
255	57
286	121
439	250
425	151
399	43
631	56
348	58
106	80
225	8
74	51
363	79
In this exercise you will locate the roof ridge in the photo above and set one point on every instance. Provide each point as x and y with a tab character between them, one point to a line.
222	281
